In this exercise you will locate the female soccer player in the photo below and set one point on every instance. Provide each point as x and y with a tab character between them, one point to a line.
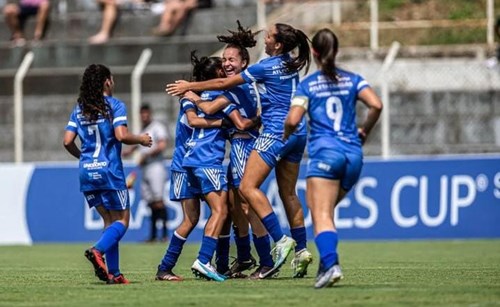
100	121
276	78
203	165
180	187
236	58
335	156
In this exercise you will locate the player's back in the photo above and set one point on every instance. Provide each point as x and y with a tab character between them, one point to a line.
100	160
332	107
207	145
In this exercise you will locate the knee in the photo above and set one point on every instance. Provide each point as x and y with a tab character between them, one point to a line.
220	211
190	222
44	6
10	10
245	190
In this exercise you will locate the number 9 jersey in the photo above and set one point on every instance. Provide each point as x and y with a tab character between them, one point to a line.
331	107
100	160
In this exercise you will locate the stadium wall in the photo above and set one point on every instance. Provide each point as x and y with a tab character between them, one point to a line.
434	197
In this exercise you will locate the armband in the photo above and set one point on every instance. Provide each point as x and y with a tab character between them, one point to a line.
300	101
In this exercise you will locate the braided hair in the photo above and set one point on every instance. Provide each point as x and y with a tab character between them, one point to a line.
205	68
240	39
91	99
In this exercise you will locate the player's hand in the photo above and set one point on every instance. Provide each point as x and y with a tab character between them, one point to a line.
362	135
178	88
191	96
146	140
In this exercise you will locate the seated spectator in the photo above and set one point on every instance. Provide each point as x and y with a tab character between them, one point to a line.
175	12
109	15
16	15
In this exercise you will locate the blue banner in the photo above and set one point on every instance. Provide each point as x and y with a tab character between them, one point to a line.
396	199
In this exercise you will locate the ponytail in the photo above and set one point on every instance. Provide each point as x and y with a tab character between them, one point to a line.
325	45
292	38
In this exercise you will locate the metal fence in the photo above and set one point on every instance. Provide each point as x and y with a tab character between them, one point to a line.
441	99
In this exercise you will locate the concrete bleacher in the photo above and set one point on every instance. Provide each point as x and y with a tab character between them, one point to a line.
423	113
51	85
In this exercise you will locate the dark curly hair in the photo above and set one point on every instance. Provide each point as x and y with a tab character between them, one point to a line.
205	68
91	99
240	39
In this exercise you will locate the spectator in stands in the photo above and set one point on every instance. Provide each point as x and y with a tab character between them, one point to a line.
109	14
16	15
175	12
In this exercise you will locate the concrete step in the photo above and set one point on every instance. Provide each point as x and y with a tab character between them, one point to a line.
82	24
122	52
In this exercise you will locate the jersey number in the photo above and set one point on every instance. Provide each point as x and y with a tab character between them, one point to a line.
334	111
93	129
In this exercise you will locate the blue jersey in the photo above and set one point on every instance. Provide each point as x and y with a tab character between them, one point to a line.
183	133
207	146
331	109
100	160
244	97
276	86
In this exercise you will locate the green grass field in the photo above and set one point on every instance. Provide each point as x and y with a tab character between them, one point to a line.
418	273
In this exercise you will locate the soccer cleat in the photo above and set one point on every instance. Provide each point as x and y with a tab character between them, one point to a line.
237	267
264	272
95	257
206	271
300	263
114	280
281	250
167	276
329	277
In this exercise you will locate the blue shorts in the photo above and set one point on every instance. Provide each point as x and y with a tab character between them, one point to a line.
336	165
240	151
209	179
272	149
183	186
117	200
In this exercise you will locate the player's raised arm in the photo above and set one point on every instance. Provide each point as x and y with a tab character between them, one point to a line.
180	86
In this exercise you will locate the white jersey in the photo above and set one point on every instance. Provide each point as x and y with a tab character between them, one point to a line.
158	132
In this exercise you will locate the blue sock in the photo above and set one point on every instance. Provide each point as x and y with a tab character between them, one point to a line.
299	235
207	249
326	242
113	260
273	226
110	237
243	247
222	254
173	252
263	247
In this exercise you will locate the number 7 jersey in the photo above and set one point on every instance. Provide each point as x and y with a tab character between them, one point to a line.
100	160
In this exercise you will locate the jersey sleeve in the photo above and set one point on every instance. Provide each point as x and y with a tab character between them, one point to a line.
361	83
254	73
119	112
186	104
230	108
301	97
72	123
230	96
